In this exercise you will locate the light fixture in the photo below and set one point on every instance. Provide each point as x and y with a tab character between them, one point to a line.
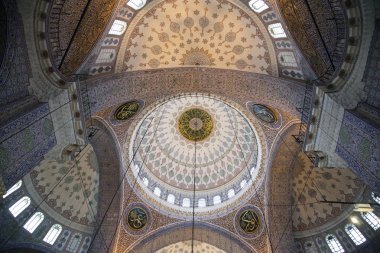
364	208
354	220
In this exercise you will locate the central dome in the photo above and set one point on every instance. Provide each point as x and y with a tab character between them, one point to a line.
193	142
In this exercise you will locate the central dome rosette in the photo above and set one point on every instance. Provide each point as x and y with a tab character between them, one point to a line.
195	124
189	142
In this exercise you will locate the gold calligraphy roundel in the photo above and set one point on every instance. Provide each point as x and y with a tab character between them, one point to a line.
248	221
195	124
127	110
137	219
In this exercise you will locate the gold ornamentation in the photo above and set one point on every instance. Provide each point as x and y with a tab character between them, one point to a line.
195	124
127	110
137	218
249	221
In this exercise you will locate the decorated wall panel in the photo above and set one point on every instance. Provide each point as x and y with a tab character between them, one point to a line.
359	146
24	142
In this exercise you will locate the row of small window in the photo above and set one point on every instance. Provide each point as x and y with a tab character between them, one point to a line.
257	6
201	202
36	219
276	30
352	231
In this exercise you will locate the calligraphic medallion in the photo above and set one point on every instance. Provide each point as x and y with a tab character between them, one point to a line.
137	219
248	221
264	113
195	124
127	110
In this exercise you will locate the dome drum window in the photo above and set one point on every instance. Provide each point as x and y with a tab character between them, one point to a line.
13	189
19	206
371	219
34	222
258	6
354	233
118	27
334	244
136	4
53	234
276	31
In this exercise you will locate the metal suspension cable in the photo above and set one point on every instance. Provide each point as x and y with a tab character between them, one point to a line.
140	170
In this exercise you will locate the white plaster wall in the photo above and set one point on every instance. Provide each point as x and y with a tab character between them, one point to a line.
328	131
63	123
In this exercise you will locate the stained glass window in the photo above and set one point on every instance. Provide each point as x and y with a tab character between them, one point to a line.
258	5
202	202
217	200
13	189
372	220
354	233
171	198
334	244
231	193
53	234
34	222
20	206
186	202
276	31
136	4
118	27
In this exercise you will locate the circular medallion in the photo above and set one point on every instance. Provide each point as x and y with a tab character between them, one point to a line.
127	110
264	113
195	124
248	221
137	218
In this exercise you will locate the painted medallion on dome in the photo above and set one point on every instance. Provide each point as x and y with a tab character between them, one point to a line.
137	218
195	124
127	110
264	113
248	221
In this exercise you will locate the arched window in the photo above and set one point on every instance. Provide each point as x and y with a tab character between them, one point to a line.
243	183
53	234
186	202
74	242
258	5
354	234
287	59
376	197
334	244
372	220
276	31
231	193
202	202
13	189
145	181
157	191
136	4
217	200
34	222
171	198
310	247
118	27
19	206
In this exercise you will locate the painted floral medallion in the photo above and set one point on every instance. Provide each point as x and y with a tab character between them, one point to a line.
195	124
